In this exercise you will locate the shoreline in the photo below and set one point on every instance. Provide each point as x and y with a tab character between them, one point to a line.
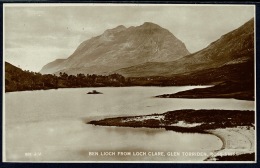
230	138
234	90
234	128
96	87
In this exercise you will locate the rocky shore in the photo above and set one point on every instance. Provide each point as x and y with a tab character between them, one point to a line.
234	127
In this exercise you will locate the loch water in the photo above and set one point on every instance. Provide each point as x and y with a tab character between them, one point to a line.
50	125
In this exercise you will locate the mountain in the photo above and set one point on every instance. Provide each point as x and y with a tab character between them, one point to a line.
52	66
119	48
233	48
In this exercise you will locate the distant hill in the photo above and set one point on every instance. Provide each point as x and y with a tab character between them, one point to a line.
11	72
232	48
17	79
119	48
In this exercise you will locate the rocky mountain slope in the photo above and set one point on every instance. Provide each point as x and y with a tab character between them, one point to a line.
119	48
232	48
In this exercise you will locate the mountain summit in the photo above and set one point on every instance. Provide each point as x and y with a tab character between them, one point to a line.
235	47
121	47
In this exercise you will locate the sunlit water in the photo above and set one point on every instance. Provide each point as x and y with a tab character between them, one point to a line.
51	125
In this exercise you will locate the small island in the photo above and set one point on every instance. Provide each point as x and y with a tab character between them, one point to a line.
94	92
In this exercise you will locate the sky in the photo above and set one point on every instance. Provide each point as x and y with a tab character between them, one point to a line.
36	35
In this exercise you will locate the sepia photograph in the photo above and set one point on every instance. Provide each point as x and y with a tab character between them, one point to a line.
129	83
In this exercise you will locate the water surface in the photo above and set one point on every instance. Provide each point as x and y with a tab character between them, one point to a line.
50	125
